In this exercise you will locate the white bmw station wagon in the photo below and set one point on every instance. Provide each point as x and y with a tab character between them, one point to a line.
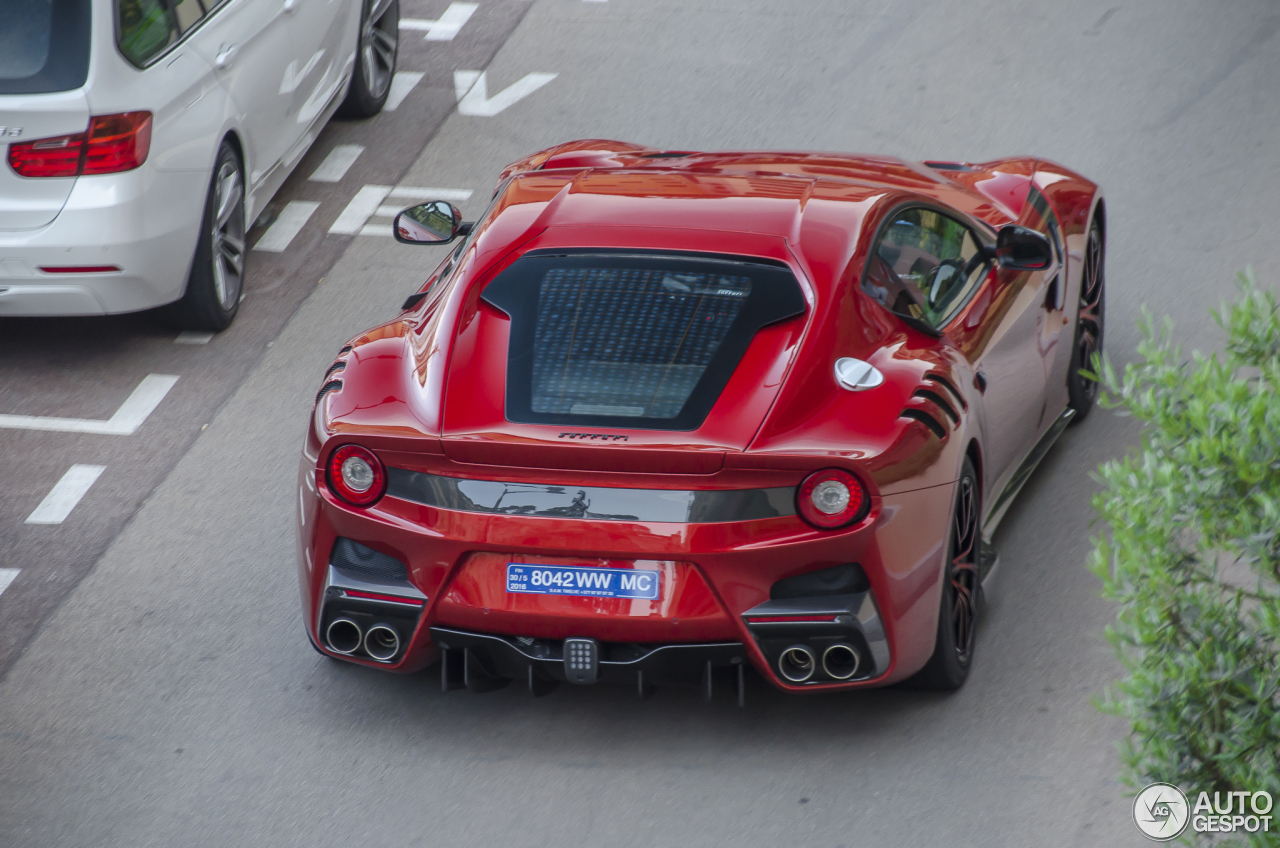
140	137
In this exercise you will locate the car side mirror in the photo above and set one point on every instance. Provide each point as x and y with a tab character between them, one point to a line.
437	222
1021	249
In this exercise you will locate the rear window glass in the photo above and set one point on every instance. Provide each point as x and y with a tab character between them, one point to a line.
44	46
643	341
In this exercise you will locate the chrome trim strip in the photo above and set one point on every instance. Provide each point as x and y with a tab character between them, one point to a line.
590	503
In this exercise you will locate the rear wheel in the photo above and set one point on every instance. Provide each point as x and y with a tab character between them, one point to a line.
376	55
217	272
1081	390
948	668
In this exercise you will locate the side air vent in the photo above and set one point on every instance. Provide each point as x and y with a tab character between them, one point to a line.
949	166
331	386
353	556
345	349
936	398
927	420
946	384
334	368
667	154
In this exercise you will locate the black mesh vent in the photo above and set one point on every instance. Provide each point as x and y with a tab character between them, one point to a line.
844	579
331	386
353	556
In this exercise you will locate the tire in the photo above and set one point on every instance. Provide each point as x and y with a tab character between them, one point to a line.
377	48
952	658
216	281
1090	322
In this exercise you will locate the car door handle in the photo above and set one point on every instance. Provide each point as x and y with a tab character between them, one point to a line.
226	56
980	382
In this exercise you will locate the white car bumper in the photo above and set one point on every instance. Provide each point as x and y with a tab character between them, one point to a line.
143	222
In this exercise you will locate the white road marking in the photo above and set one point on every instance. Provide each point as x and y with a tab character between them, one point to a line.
401	84
472	90
66	493
416	193
361	207
447	26
335	165
127	419
390	210
192	337
7	576
293	217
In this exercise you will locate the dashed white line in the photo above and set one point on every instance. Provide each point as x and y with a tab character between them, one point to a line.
472	90
66	493
447	26
7	576
401	84
335	165
192	337
127	419
361	207
418	193
430	193
293	217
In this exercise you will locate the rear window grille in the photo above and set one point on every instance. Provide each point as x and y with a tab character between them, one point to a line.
628	342
635	340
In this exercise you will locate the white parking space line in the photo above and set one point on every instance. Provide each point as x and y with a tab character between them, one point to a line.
291	221
447	26
7	576
192	337
429	193
127	419
335	165
66	493
472	90
361	207
401	84
407	193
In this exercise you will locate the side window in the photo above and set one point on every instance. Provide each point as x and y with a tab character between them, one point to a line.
925	265
144	28
1043	220
187	13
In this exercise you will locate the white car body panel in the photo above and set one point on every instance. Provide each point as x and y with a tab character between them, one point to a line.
146	221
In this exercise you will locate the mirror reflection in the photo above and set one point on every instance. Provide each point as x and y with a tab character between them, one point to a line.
427	223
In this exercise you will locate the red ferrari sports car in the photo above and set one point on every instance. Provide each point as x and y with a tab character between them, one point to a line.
663	414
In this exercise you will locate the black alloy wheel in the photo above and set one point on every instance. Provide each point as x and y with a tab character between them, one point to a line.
948	668
376	54
216	281
1081	390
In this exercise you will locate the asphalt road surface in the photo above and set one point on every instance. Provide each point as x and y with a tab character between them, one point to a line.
171	697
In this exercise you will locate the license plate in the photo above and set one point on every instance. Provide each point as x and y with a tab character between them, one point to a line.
530	579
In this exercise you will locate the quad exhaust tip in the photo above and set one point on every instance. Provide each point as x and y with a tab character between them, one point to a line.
382	642
343	636
797	663
840	661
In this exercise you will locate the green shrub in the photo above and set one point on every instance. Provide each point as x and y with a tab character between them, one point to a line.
1193	558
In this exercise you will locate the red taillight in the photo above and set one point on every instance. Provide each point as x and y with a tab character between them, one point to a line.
356	475
832	498
113	143
117	142
48	157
